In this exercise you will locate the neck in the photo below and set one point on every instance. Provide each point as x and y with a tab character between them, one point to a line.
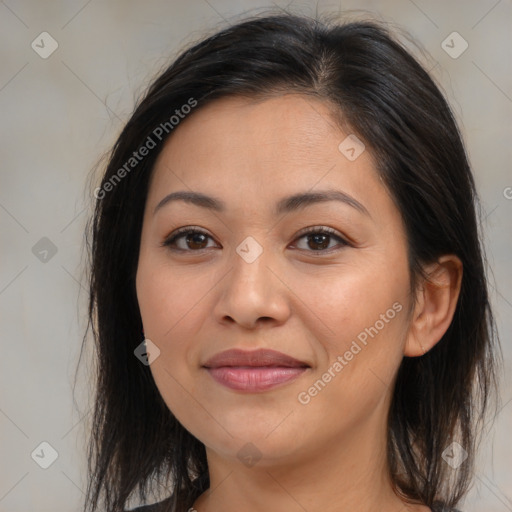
351	475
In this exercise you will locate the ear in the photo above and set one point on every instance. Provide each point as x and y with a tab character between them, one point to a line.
436	302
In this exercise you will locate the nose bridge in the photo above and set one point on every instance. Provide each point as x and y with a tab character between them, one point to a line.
250	268
251	290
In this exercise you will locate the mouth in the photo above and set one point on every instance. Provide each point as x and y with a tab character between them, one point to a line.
254	371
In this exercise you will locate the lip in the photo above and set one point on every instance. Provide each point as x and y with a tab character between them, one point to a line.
254	371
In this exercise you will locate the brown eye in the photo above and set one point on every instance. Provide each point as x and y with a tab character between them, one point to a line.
196	240
193	240
319	239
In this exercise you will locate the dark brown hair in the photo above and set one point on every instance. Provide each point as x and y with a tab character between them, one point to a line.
391	103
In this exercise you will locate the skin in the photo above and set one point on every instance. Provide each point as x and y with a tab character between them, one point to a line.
329	454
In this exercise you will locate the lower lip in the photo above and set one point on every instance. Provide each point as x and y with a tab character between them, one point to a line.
252	379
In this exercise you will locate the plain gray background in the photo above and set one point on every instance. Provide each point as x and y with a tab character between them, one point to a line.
61	113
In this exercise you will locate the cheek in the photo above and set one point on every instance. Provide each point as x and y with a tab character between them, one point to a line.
170	300
360	321
172	303
166	305
344	301
169	304
367	321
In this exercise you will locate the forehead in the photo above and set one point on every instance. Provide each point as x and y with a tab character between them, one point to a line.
289	128
255	151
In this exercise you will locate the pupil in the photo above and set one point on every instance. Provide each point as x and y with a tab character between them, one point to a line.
316	240
193	240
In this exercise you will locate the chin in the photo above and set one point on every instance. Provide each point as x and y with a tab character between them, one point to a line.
269	440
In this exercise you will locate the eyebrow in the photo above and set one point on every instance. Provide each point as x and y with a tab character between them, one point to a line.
285	205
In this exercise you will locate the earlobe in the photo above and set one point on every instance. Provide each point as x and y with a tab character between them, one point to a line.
436	302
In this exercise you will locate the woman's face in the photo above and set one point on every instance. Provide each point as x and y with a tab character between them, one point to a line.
335	303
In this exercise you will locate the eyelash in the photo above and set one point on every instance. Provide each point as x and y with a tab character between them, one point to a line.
322	230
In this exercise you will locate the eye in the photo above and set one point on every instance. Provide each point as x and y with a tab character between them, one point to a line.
194	240
319	238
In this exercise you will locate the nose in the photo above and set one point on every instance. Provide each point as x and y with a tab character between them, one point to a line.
253	292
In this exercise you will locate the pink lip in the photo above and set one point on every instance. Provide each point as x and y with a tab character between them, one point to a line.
257	370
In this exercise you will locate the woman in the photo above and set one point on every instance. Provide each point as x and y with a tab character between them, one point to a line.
288	222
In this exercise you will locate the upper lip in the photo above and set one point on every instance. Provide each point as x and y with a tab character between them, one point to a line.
260	357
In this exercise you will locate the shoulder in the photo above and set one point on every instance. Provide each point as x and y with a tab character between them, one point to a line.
443	508
161	506
156	507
